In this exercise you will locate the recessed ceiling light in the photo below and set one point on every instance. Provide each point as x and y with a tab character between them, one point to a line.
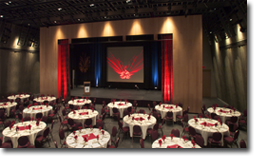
6	3
230	19
78	19
105	16
128	1
92	5
59	9
29	24
2	16
55	22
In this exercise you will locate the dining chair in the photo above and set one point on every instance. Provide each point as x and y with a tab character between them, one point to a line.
125	129
113	134
162	125
137	132
215	139
154	136
23	142
229	140
39	116
126	112
142	143
115	112
62	138
43	138
116	143
200	141
169	116
242	144
192	132
27	118
87	123
141	111
175	132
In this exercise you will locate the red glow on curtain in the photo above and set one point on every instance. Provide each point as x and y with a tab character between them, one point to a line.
63	68
167	70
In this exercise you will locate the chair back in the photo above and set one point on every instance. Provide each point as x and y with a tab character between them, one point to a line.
100	124
142	111
242	144
117	141
199	140
126	112
46	132
233	119
175	132
213	115
61	134
154	135
7	123
114	131
39	115
217	136
156	127
45	119
23	142
88	122
236	134
70	122
142	143
27	118
115	110
192	131
137	130
169	114
186	118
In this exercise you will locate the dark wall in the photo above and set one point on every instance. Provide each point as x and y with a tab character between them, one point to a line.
19	65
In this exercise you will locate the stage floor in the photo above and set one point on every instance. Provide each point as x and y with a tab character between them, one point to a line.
131	94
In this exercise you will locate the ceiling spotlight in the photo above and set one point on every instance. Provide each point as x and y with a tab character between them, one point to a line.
210	32
28	24
6	3
2	16
92	5
105	16
78	19
59	9
230	19
55	22
128	1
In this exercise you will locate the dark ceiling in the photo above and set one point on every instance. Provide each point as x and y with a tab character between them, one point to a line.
217	14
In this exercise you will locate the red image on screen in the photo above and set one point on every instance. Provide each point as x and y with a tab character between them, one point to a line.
126	71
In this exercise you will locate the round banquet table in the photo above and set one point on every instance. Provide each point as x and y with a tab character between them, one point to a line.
33	110
7	106
224	113
120	105
21	96
14	135
144	124
91	135
44	98
79	102
175	142
164	108
209	129
82	114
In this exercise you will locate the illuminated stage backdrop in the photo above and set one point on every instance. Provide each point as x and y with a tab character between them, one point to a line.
125	64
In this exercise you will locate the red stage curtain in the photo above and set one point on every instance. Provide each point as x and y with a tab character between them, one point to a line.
167	70
63	69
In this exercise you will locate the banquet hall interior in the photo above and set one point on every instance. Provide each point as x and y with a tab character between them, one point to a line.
123	74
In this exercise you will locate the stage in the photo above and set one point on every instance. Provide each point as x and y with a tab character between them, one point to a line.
142	96
130	94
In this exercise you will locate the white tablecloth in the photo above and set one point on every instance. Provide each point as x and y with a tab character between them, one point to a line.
81	118
44	98
144	124
33	110
79	102
120	105
224	113
164	108
174	141
21	96
207	131
102	142
14	136
8	106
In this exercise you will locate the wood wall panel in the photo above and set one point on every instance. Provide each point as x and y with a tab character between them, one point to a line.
187	50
